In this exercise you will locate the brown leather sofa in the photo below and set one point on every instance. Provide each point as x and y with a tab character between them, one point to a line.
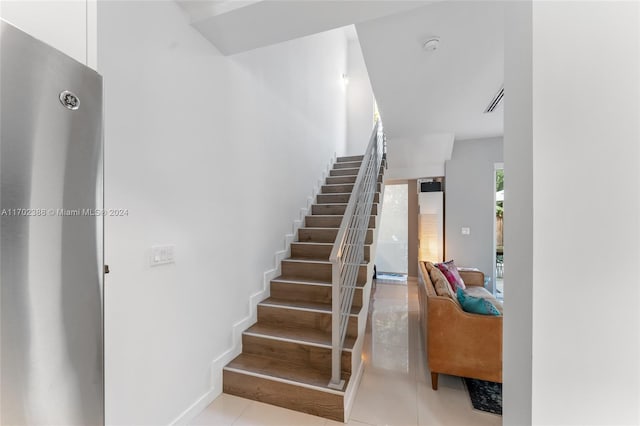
458	343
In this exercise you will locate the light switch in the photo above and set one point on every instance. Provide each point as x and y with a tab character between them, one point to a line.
466	231
161	255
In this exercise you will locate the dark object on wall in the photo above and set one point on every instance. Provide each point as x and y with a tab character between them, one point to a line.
430	186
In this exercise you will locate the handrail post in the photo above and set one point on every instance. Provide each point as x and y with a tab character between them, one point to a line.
336	351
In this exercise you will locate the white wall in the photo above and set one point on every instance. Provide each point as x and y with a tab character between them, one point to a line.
574	164
69	26
470	192
359	101
215	155
586	193
518	223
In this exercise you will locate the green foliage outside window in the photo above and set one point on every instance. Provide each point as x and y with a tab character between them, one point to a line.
499	187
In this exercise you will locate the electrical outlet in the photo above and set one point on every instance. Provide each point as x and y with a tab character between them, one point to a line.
466	231
161	255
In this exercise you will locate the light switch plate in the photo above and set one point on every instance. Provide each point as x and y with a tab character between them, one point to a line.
161	255
466	231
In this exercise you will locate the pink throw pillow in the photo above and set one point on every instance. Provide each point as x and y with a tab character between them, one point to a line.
450	271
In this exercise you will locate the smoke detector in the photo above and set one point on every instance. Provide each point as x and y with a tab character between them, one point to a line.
431	45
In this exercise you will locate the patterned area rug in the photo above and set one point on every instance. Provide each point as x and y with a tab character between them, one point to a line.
485	396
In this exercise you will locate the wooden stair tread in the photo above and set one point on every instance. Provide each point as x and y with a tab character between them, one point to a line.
349	158
307	281
329	215
336	204
315	306
297	334
317	260
336	193
278	369
318	227
311	243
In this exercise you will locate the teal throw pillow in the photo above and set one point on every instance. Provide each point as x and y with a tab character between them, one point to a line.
476	305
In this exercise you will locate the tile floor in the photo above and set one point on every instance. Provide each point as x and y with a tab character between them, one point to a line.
395	388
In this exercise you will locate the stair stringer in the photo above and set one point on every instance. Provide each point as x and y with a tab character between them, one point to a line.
217	365
357	366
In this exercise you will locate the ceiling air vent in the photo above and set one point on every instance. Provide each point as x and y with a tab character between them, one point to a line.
497	99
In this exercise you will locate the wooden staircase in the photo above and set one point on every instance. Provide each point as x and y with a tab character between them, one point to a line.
286	355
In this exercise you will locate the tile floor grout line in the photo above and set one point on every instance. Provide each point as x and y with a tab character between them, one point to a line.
242	412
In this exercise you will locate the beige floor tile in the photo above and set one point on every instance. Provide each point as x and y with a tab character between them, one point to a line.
350	423
386	398
259	414
450	406
223	411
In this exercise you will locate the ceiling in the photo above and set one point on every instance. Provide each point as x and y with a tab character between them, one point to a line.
442	92
240	25
426	99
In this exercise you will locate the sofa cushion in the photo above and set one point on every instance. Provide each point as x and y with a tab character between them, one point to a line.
440	283
450	271
476	305
482	293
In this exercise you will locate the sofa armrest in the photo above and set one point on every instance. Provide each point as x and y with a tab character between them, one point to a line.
461	343
472	278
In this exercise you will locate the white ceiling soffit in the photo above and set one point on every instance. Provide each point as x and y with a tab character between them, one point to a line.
201	9
408	157
238	26
444	91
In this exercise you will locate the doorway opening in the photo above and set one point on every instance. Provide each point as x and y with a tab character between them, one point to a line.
499	237
392	252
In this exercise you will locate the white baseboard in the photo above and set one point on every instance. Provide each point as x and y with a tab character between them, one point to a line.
350	394
236	334
196	408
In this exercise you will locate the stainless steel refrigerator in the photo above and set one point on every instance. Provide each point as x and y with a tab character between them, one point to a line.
51	245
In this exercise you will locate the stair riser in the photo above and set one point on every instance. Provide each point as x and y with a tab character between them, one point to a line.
317	235
309	293
340	198
343	172
330	222
283	317
317	252
351	172
337	180
342	188
320	235
285	395
336	209
350	159
333	198
347	165
296	353
308	251
313	271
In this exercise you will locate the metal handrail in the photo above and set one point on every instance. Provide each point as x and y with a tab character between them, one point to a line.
348	250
